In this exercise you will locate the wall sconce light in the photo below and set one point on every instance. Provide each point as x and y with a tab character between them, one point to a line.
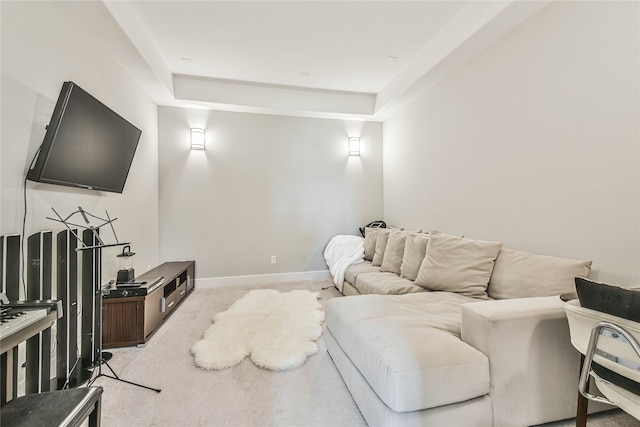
354	146
197	139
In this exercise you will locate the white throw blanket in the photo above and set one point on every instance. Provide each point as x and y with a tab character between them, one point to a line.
340	253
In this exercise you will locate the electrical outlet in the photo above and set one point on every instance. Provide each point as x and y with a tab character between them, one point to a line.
273	259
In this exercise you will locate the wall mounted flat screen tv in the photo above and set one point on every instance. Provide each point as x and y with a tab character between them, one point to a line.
86	144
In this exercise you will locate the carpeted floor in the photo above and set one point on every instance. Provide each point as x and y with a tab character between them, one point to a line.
244	395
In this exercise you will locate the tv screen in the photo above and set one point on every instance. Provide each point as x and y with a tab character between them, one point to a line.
86	144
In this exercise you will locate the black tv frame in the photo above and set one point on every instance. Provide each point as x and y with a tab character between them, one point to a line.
35	173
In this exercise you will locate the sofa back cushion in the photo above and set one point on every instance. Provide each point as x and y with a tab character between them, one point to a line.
370	237
457	264
519	274
392	259
382	236
415	248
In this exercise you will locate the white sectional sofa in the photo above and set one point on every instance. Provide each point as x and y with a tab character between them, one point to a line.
441	330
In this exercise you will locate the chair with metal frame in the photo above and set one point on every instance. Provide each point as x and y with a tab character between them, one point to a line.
604	324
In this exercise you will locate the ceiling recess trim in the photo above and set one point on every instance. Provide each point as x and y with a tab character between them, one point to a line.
279	98
473	29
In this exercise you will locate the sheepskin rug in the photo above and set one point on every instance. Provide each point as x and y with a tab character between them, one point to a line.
278	330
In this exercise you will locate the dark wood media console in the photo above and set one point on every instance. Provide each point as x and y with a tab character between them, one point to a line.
130	316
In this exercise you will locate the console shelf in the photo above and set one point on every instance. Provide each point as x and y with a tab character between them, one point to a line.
131	317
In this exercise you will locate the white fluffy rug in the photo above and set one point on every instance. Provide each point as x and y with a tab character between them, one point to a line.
278	330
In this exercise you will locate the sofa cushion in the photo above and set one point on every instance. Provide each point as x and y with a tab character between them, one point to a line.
370	237
457	264
384	283
382	236
352	272
408	348
519	274
394	251
415	248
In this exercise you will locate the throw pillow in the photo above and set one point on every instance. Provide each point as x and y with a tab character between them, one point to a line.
519	274
381	245
393	252
415	248
457	264
370	236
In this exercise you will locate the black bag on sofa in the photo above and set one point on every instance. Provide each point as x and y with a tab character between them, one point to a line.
374	224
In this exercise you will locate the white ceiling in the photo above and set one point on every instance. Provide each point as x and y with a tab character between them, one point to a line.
338	59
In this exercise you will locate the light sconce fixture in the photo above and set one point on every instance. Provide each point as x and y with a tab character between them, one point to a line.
197	139
354	146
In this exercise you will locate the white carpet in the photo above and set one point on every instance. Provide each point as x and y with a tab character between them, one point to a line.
277	330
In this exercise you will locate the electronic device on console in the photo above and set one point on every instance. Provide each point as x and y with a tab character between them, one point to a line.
134	288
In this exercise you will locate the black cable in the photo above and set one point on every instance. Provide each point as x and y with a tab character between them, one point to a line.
73	368
24	220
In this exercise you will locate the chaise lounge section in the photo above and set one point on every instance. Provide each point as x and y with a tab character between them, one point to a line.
451	331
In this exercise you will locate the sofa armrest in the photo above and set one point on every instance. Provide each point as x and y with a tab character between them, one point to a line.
533	366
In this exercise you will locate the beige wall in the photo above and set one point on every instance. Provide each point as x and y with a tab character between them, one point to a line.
266	185
43	45
535	143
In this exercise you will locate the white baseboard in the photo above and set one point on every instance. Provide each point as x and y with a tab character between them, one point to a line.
261	279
